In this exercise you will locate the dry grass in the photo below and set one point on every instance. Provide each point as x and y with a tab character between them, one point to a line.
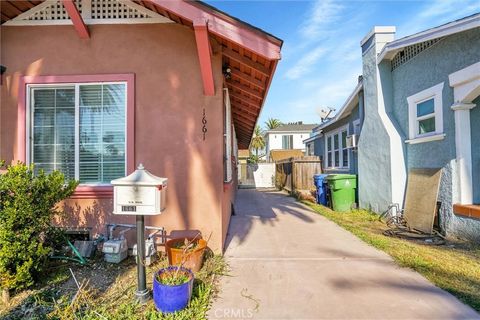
113	299
454	267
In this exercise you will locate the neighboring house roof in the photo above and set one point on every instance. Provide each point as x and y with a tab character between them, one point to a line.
345	110
312	138
467	23
293	128
251	53
277	155
243	153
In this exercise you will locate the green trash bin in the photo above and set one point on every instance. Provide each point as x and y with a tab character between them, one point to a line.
342	191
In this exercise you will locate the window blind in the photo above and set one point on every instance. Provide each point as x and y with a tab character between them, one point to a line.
95	152
54	130
102	133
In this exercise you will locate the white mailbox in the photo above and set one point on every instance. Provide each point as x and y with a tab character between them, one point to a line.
140	193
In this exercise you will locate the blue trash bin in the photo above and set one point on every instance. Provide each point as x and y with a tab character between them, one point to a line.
319	180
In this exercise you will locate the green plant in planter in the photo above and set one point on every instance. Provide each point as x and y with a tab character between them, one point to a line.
27	205
173	276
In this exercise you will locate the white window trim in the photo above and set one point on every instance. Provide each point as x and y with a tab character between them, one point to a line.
340	152
434	92
228	136
76	85
290	141
355	124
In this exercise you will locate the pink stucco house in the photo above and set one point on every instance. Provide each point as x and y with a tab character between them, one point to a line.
95	87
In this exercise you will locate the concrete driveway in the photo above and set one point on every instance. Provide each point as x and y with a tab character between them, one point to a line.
289	263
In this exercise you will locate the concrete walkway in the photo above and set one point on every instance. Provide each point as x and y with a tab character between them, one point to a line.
290	263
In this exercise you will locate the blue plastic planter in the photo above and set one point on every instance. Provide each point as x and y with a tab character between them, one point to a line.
172	298
319	180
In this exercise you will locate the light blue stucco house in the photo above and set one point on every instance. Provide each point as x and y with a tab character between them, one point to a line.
334	141
422	110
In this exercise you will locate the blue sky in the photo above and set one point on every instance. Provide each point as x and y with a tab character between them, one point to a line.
321	57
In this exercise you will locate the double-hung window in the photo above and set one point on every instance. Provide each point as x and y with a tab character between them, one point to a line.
287	141
336	149
79	129
425	115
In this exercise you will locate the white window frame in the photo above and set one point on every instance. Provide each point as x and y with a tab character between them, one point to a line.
290	141
228	136
356	127
434	93
76	85
331	135
311	148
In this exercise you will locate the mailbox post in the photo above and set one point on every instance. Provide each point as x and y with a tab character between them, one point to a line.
140	194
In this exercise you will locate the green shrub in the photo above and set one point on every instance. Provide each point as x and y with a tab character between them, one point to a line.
27	206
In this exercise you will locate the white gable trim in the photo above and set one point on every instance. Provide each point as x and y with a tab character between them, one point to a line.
25	19
466	87
466	83
392	48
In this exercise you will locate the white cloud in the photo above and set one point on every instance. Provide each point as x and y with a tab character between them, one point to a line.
322	15
305	64
437	12
328	90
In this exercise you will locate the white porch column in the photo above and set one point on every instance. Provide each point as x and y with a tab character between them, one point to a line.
464	150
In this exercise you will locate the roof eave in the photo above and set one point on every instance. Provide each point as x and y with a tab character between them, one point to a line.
392	48
341	113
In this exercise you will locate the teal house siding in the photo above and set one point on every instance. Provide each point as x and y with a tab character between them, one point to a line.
319	142
374	167
442	63
427	69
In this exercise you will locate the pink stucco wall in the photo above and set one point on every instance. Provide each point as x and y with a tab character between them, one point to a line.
169	102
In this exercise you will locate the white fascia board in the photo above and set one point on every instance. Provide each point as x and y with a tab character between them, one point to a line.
312	138
392	48
340	113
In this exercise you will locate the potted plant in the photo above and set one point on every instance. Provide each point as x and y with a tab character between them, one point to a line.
172	288
187	252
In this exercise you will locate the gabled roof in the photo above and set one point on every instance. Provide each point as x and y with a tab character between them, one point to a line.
251	53
464	24
346	108
294	127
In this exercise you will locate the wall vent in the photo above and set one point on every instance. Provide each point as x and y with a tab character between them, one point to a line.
410	52
113	9
52	12
55	11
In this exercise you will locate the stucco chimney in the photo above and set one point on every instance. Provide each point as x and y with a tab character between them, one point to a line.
380	143
379	36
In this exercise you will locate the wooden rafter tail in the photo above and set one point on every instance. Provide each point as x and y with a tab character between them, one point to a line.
246	99
76	18
248	78
244	88
204	55
245	61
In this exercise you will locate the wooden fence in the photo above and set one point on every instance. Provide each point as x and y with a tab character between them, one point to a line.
297	173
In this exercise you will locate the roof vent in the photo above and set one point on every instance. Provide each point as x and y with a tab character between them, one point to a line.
410	52
92	11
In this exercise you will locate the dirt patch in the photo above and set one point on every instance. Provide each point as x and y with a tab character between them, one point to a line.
57	284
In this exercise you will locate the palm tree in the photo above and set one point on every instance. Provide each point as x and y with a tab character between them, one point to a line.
272	123
258	142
